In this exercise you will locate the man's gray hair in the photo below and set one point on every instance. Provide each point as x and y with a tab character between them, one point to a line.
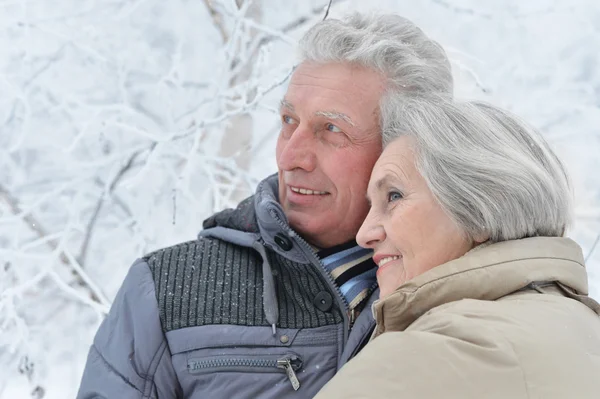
387	43
412	63
494	175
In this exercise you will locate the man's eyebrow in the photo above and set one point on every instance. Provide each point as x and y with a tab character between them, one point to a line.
336	115
285	104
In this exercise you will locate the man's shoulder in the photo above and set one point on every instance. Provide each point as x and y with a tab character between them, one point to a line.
176	255
194	278
193	253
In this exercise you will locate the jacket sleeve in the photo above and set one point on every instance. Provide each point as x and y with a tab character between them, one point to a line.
129	357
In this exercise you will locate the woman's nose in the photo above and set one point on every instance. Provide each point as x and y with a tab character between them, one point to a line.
371	232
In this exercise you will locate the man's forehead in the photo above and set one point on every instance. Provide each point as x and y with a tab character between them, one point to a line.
346	83
336	91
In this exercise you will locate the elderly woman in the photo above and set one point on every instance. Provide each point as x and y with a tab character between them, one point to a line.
481	295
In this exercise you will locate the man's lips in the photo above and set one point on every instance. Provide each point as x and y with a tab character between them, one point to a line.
306	191
303	196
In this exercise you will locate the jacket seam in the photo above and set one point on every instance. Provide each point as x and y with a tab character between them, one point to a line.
154	363
484	267
160	351
111	368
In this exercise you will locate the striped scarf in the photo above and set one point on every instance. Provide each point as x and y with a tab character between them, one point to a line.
353	270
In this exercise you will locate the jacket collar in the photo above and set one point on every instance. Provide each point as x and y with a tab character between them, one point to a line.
488	273
259	217
273	224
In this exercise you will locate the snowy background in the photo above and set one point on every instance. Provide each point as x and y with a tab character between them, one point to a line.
124	123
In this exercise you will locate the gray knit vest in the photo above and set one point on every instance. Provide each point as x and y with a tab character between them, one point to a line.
210	281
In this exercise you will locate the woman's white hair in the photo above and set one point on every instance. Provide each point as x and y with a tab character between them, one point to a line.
494	175
412	63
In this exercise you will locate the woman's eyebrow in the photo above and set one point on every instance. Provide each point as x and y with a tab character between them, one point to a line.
379	184
384	181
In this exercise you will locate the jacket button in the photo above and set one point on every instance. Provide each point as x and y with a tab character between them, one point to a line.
284	242
323	301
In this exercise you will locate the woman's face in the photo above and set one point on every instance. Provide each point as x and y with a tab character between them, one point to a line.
406	227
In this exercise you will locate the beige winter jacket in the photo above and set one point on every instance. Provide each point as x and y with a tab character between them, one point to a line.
510	320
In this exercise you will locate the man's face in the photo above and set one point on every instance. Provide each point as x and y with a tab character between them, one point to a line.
328	144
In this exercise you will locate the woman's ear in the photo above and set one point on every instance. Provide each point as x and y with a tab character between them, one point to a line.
480	238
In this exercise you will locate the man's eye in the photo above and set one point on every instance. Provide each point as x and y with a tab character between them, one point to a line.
333	128
394	196
287	119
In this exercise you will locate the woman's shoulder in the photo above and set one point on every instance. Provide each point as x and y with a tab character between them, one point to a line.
524	322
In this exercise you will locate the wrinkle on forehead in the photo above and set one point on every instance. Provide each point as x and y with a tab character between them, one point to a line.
339	91
368	81
398	164
360	84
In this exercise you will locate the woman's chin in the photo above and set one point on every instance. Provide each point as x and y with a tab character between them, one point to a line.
390	279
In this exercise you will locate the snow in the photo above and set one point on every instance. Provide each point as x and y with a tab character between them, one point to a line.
124	123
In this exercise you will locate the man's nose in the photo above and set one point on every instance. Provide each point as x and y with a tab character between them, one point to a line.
371	233
299	151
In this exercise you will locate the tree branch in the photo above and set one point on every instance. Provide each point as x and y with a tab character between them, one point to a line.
90	228
589	255
461	10
217	21
327	10
94	292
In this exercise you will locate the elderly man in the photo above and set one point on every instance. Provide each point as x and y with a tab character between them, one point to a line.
266	302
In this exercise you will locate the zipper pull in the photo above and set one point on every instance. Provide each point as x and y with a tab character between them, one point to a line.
351	318
286	363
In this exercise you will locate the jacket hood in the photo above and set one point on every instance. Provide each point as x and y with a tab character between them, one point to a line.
242	218
488	273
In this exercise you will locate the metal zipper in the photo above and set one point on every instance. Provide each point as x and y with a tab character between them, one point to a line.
307	249
288	366
264	363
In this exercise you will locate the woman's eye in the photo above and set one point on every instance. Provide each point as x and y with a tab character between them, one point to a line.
394	196
333	128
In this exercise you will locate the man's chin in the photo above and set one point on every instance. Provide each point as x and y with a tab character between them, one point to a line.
301	222
315	232
309	227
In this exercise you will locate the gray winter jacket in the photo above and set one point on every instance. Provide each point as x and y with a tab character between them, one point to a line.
245	311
